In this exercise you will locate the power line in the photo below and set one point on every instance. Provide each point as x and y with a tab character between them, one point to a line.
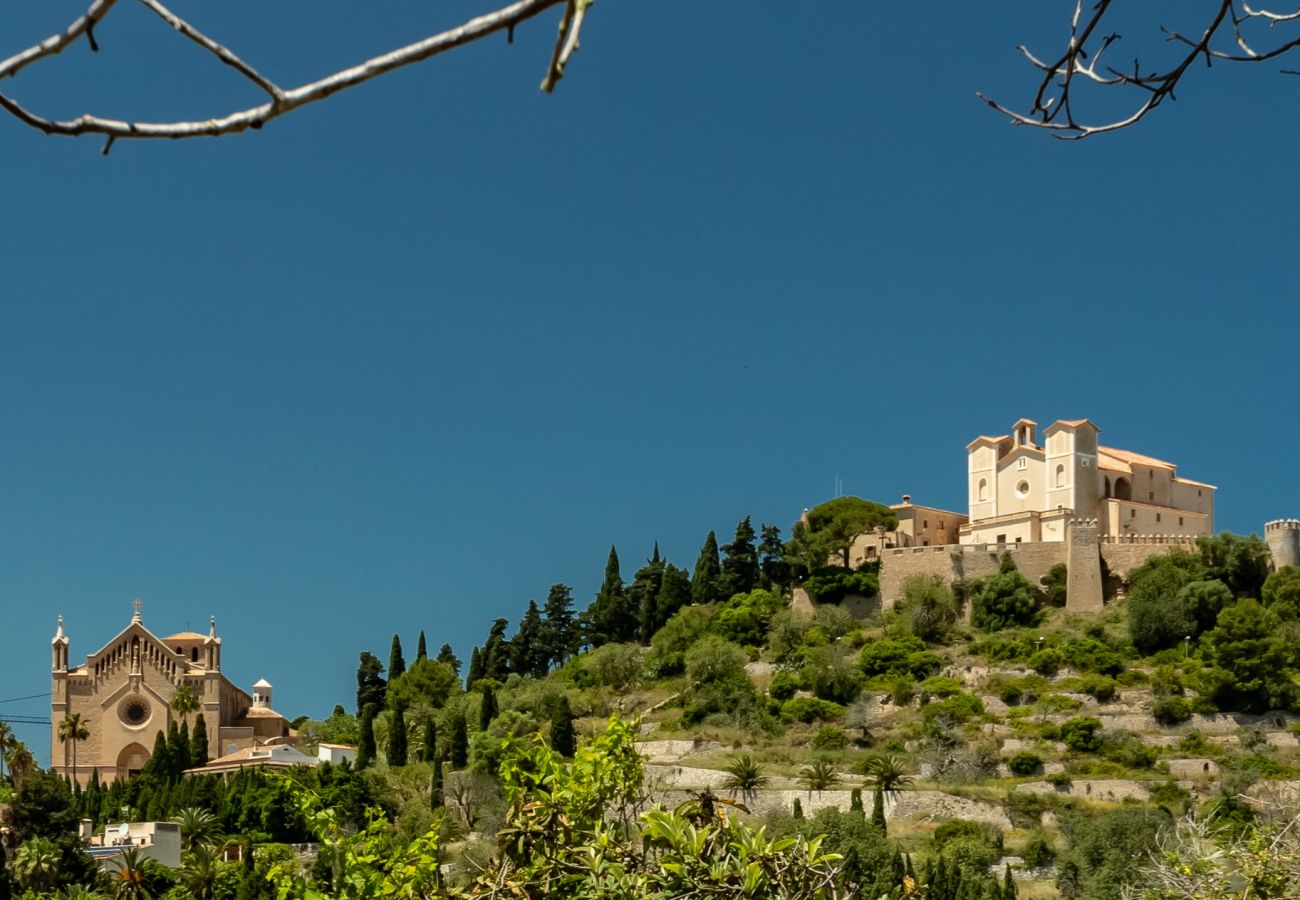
28	697
24	720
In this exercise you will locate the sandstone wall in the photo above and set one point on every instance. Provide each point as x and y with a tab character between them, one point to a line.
1122	558
957	561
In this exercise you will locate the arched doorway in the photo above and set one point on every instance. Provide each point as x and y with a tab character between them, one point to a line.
131	760
1123	490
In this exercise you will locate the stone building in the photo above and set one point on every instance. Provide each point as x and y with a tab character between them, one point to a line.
1021	491
918	526
124	692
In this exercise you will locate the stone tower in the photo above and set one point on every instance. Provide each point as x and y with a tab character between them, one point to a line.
1083	589
1283	536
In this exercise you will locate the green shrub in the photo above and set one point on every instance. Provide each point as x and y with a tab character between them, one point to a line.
1132	678
1082	734
959	707
783	686
829	738
1156	617
832	584
928	607
1003	648
831	676
1170	796
1170	710
1056	703
1038	852
615	666
941	686
667	654
1281	593
810	709
902	691
1089	654
1047	661
1003	601
1127	750
1059	780
900	655
1054	583
745	617
1100	687
1025	763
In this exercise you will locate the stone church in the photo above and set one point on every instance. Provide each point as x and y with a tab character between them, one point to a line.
124	692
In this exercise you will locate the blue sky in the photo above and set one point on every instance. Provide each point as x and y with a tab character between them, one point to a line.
405	359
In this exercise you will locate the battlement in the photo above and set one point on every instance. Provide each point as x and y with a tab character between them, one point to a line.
1149	539
1282	525
1082	522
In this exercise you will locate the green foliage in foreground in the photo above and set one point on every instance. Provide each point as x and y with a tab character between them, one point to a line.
570	832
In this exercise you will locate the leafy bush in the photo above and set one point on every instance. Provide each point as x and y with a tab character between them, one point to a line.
1038	852
1249	661
1105	848
615	666
890	656
1046	661
959	707
928	607
1003	648
1170	796
1127	750
829	738
783	686
1171	709
1054	583
667	654
1081	734
1089	654
810	709
941	686
832	584
745	617
1003	601
1100	688
1156	616
831	676
1281	593
1025	763
719	686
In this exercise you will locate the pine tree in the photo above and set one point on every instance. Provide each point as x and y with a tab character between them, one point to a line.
563	739
611	618
459	742
475	673
366	750
421	649
397	737
435	785
496	652
199	742
706	580
878	811
396	664
674	593
740	571
776	571
528	650
560	637
448	656
487	710
643	592
372	689
430	751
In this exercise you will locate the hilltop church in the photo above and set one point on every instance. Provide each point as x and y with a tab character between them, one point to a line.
124	691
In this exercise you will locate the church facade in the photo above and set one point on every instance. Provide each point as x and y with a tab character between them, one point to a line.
124	691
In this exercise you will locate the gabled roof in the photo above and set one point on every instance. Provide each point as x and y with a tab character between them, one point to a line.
1131	458
1070	423
989	439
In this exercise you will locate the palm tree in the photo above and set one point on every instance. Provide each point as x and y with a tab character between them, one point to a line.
201	871
79	892
886	773
199	828
21	763
820	776
131	883
184	702
7	743
36	865
71	730
744	774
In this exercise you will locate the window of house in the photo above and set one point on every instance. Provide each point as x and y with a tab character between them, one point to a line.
1180	520
925	523
925	543
1132	513
983	489
1022	489
1060	475
1022	463
1157	517
1017	540
1002	538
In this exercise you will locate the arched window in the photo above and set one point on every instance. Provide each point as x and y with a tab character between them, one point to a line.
983	490
1060	475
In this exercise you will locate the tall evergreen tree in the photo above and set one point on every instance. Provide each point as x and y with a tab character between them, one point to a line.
160	763
563	739
776	571
396	664
435	785
706	580
855	802
1008	885
560	635
475	673
459	742
643	592
182	749
199	742
674	593
448	656
528	649
611	618
496	652
421	649
397	748
878	810
372	689
366	749
740	572
430	750
487	709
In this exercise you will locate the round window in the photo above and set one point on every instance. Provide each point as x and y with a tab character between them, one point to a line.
134	711
1022	489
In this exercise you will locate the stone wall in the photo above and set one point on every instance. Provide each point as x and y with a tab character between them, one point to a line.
953	562
1122	558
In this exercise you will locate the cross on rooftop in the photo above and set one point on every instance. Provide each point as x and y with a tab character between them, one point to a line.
137	604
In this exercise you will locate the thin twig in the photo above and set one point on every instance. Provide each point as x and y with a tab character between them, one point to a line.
220	52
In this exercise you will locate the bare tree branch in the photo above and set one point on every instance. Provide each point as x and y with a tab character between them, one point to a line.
282	101
1053	107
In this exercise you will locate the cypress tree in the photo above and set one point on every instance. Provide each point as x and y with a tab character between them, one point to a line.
421	649
528	650
644	592
159	763
430	752
182	749
199	742
878	811
855	802
774	568
740	560
797	812
496	652
459	742
1008	885
560	637
674	593
911	872
487	709
396	665
563	739
372	689
366	749
397	737
612	618
475	673
435	786
706	586
448	656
